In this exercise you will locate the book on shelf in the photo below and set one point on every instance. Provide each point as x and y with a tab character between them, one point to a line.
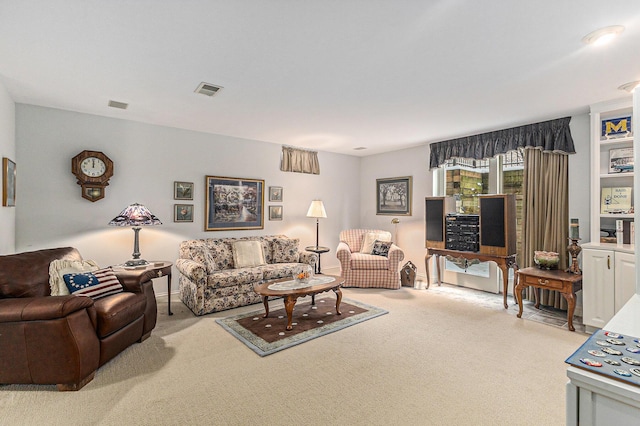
621	160
615	200
624	231
619	231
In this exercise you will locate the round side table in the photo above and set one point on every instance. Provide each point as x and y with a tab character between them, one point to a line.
319	251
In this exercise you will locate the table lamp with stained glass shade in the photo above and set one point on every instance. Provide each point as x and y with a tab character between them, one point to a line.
135	215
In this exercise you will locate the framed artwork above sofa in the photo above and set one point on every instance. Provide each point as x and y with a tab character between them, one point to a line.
233	203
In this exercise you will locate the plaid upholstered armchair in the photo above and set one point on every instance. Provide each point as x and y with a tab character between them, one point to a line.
369	259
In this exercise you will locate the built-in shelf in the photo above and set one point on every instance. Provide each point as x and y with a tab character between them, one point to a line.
616	175
617	216
600	163
616	141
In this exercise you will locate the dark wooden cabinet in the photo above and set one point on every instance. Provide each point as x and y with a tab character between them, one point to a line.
497	223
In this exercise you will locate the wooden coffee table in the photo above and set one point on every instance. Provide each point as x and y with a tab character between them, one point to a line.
290	296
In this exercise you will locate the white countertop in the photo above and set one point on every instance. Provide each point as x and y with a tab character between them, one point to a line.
627	320
624	248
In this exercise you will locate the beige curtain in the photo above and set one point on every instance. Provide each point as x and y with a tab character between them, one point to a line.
545	224
299	161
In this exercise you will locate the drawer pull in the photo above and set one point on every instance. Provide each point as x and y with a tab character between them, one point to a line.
543	282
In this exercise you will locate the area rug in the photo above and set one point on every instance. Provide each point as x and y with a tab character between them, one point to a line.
269	335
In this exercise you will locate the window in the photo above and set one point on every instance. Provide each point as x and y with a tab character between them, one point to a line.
512	178
465	179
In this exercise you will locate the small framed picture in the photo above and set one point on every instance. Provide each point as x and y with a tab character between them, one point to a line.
275	193
183	212
8	183
275	212
183	190
621	160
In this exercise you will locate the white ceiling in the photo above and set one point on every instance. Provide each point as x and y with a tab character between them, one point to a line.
331	75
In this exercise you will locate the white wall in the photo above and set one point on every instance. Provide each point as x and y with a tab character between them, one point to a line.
408	162
579	175
147	160
7	149
51	212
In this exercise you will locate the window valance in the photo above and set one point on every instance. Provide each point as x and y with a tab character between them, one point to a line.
549	136
299	160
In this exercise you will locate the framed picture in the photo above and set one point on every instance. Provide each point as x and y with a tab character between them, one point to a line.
275	193
621	160
183	212
8	182
616	200
183	190
393	196
275	212
233	203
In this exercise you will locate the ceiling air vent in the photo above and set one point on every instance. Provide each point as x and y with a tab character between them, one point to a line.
116	104
208	89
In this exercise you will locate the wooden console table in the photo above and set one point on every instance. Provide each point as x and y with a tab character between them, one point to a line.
564	282
503	262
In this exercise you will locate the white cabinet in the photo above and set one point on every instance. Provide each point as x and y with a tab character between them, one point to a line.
608	282
611	135
625	279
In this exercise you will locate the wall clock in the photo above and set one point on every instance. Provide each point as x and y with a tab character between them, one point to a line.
93	170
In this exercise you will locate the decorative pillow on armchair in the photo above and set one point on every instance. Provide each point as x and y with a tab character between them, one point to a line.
381	248
95	284
59	267
370	238
285	250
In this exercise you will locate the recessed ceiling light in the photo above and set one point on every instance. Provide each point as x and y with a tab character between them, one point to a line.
207	89
116	104
360	148
603	35
630	86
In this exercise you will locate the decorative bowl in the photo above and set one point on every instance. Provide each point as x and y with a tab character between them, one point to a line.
546	259
303	274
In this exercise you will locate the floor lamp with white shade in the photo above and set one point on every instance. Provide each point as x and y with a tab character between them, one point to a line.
316	209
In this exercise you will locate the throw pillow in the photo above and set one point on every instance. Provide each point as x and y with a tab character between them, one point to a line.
285	250
370	238
381	248
247	254
95	284
59	267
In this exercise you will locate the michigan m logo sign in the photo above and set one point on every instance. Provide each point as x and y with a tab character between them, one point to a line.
616	126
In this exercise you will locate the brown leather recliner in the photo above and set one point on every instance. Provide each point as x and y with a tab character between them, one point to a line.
63	340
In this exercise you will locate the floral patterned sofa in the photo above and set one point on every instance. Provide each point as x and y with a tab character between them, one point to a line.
210	282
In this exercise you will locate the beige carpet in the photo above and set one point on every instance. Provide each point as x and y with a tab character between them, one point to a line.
433	360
